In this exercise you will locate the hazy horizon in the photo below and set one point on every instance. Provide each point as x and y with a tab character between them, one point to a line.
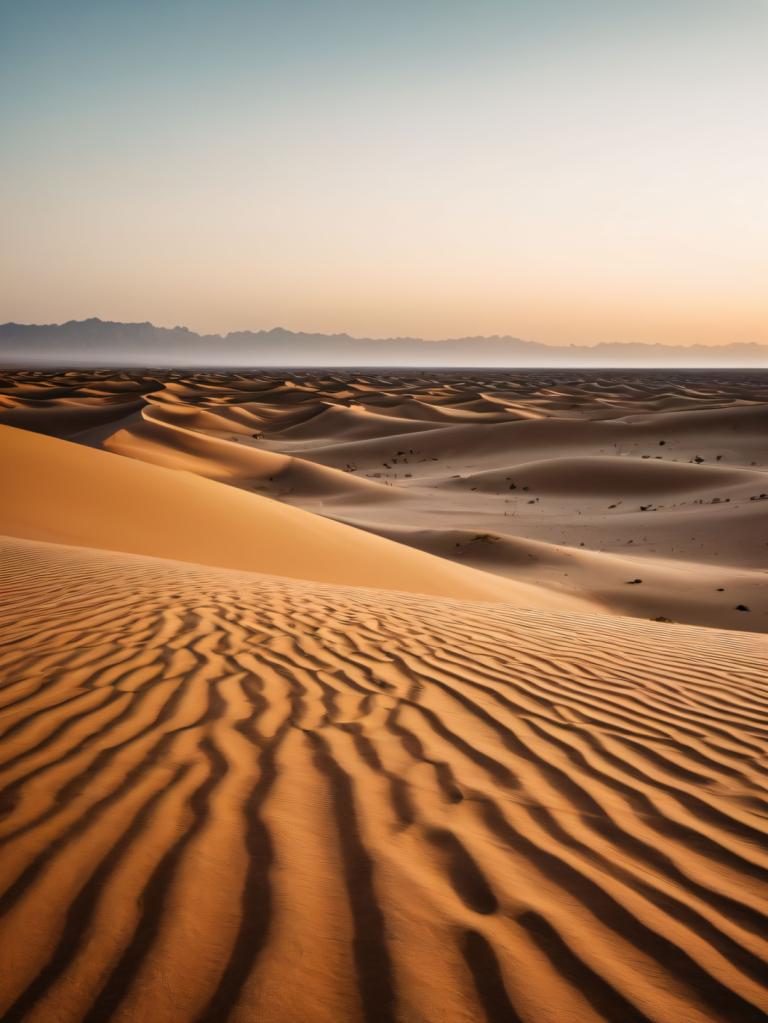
94	342
572	174
280	328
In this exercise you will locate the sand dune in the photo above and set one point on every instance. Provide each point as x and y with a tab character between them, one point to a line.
590	476
334	697
668	468
650	588
354	424
121	504
62	420
233	797
229	460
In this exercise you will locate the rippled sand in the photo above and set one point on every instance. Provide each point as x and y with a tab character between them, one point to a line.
257	764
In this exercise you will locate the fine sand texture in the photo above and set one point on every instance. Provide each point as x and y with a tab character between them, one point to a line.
238	797
291	729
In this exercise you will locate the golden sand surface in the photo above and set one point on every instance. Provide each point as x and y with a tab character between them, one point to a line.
314	707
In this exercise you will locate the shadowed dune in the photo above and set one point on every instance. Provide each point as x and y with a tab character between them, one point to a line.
229	460
228	796
609	583
122	504
610	475
661	476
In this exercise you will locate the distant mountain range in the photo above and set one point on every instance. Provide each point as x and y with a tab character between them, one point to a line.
100	343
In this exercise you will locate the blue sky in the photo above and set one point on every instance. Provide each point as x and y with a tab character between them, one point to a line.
558	170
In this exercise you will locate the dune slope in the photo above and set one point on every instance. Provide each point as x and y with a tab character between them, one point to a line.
603	477
67	493
230	797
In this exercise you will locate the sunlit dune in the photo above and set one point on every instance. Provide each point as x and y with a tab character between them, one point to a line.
383	698
121	504
232	796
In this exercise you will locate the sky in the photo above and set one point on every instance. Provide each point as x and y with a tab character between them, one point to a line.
567	171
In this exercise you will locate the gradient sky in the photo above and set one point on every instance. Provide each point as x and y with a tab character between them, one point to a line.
561	170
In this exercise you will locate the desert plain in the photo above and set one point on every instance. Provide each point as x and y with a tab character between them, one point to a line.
406	695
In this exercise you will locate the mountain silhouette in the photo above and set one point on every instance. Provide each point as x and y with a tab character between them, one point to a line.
102	343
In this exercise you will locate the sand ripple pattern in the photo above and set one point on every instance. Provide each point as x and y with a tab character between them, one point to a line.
235	797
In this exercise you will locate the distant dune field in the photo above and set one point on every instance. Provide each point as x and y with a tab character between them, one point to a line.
384	697
560	487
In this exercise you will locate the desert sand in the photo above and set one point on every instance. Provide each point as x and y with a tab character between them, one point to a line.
568	485
384	697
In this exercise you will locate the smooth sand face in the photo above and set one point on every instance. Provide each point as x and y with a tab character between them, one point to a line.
245	776
70	493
